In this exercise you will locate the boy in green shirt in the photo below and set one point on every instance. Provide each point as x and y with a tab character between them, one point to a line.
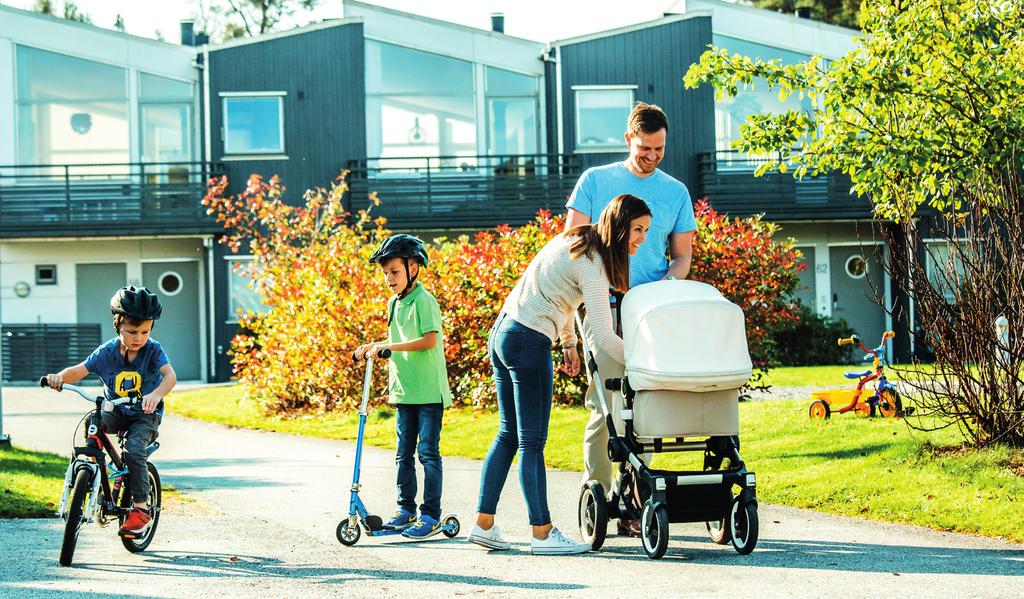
417	382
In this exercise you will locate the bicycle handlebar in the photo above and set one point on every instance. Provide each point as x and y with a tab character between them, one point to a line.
384	355
855	339
76	389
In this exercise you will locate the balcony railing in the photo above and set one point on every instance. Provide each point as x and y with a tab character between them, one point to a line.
462	191
39	200
727	179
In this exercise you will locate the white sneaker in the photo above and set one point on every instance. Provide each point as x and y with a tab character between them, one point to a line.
491	538
557	544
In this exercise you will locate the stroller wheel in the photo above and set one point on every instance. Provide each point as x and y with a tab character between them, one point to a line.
347	535
719	531
743	524
819	410
593	514
654	529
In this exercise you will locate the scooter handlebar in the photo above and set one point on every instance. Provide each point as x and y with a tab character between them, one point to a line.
384	354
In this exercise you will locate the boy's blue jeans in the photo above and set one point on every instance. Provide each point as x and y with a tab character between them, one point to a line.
524	376
422	421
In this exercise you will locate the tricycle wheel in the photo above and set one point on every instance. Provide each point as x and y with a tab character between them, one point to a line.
743	524
654	529
889	404
451	527
593	514
819	410
347	534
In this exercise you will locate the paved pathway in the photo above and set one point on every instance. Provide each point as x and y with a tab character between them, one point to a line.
266	505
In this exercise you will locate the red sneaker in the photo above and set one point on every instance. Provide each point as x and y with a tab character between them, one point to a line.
136	523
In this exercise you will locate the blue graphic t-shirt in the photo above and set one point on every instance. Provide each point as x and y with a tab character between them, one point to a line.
668	199
119	378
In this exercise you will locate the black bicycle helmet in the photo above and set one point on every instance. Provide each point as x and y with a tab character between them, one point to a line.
136	302
401	246
405	247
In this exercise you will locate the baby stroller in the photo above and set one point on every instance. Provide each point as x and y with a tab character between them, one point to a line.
686	358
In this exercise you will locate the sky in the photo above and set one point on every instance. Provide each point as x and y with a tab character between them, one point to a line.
539	20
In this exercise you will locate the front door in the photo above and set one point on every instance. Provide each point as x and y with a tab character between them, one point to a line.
95	284
858	284
177	285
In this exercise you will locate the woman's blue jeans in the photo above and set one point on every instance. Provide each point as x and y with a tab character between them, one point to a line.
524	377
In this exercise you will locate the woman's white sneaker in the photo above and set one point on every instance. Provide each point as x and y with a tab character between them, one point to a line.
490	538
557	544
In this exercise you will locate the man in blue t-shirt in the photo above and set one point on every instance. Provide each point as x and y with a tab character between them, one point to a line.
130	364
671	233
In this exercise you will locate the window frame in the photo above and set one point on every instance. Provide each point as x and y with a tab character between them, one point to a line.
230	262
607	148
225	97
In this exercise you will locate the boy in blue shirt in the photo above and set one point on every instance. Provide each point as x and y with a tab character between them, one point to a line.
130	363
418	382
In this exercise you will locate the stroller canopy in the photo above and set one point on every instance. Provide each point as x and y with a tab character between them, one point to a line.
683	336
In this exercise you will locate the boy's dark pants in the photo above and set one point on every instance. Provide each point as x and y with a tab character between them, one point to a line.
422	421
142	430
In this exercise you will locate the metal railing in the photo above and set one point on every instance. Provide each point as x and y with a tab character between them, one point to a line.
65	196
726	178
462	191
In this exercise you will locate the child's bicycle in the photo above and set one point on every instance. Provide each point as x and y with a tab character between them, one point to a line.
95	489
359	518
885	401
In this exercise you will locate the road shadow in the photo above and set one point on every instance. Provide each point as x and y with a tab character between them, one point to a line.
23	592
837	555
197	564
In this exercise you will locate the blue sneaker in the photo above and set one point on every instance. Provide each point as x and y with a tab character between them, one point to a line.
424	528
400	521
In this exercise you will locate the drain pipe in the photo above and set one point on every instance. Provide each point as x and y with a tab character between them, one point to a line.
5	440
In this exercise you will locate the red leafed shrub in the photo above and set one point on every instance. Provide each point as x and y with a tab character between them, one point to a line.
754	271
322	298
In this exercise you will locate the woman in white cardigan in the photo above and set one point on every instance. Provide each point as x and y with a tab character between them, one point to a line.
575	267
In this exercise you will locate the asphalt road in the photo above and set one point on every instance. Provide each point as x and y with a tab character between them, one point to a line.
262	509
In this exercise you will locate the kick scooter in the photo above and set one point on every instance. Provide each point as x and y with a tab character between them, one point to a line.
359	518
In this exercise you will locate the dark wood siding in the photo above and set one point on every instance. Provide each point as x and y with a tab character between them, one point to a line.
322	72
654	59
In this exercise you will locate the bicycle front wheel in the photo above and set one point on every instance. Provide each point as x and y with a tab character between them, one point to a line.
139	543
75	517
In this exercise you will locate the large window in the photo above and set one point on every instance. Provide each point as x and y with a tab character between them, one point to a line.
419	104
945	267
70	110
601	115
512	126
165	107
242	296
253	123
731	113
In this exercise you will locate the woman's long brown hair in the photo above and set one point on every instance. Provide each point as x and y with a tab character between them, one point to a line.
610	238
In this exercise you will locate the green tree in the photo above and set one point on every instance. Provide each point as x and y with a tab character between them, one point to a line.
249	18
926	110
836	12
70	10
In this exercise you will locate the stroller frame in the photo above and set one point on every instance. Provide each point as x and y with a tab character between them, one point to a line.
658	497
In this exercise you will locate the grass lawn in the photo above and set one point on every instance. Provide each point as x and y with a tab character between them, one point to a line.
827	376
31	483
877	468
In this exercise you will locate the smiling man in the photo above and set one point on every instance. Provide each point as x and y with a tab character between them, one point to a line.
671	234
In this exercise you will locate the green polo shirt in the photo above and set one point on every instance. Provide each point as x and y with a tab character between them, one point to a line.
417	377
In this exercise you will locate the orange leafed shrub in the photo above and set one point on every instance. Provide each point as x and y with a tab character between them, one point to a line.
322	298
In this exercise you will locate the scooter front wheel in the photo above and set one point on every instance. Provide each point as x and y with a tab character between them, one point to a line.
347	534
